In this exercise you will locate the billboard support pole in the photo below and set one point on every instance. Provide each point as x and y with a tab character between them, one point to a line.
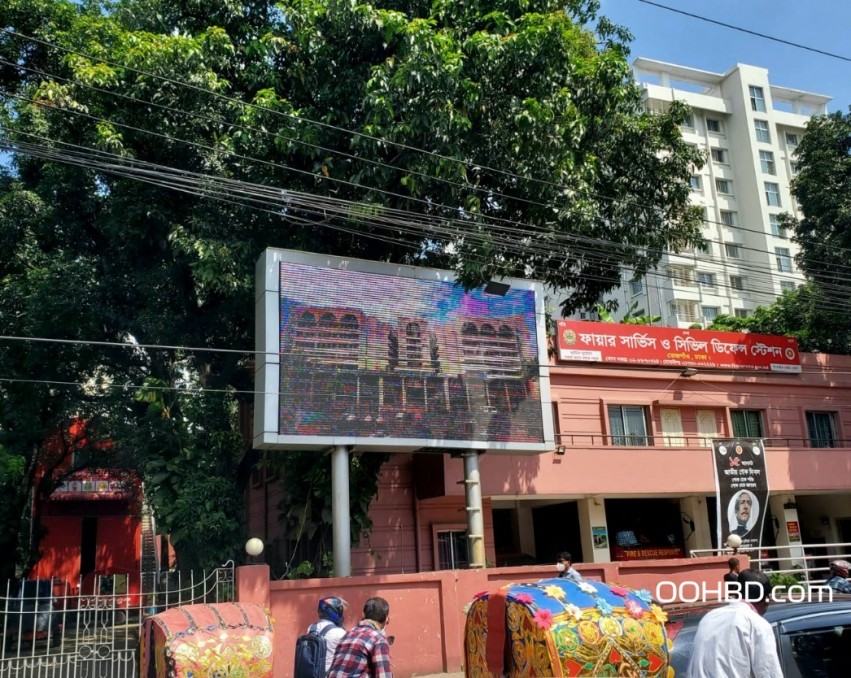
340	511
475	517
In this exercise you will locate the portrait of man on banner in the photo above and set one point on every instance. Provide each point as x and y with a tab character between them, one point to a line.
742	513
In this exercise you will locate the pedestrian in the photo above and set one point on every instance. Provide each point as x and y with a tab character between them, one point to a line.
364	652
315	650
735	640
839	576
564	565
732	576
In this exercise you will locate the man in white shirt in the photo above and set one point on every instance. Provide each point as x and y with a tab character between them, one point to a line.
331	612
564	565
734	641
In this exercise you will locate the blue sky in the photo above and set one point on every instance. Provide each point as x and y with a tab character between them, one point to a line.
822	24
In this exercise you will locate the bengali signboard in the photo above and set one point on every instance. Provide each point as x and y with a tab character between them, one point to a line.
741	488
91	487
645	345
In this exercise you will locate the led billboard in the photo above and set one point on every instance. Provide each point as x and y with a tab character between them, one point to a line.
396	358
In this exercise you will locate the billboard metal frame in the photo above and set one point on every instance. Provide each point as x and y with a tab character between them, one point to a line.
268	362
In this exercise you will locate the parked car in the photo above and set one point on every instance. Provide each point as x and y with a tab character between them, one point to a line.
34	612
813	639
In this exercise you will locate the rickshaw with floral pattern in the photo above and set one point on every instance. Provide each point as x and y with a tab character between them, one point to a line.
560	628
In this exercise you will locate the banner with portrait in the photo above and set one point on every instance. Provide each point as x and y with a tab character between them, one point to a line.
741	489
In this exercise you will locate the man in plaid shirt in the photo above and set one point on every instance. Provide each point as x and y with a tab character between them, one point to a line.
364	651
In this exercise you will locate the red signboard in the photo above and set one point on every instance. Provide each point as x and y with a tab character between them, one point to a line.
647	552
671	347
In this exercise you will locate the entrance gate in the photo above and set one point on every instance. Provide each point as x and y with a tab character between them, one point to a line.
52	629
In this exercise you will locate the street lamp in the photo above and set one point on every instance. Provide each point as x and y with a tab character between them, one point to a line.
253	547
734	541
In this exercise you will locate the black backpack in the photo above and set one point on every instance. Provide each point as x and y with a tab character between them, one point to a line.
310	650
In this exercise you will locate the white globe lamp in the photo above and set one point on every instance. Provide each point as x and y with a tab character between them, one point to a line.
254	547
734	541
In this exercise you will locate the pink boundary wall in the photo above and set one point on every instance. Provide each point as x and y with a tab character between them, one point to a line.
427	609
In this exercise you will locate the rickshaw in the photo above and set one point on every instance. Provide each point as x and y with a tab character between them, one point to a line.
560	628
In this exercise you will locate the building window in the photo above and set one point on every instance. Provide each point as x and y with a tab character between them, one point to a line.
784	260
628	425
719	155
777	228
705	279
762	133
741	313
747	423
681	276
637	286
787	286
772	194
737	282
733	251
452	552
684	311
791	139
713	125
766	161
796	168
822	429
689	121
757	99
710	313
694	182
724	186
728	218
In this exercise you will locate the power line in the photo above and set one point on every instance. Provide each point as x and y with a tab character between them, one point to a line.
192	113
421	230
746	30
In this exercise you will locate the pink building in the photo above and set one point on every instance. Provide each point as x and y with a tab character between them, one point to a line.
632	477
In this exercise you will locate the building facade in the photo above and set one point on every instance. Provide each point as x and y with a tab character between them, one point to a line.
631	477
748	129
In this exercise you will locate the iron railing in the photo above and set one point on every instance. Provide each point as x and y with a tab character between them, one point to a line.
787	559
52	627
584	440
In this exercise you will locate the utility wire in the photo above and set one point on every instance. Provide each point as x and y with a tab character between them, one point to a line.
205	192
746	30
203	189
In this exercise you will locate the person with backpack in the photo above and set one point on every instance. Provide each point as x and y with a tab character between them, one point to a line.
364	651
315	649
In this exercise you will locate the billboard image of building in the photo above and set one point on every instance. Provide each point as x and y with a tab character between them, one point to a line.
383	356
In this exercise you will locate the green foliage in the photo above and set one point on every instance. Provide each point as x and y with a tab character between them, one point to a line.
805	313
785	580
633	315
306	509
539	90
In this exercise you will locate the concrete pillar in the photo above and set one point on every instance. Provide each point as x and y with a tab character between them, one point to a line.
341	512
475	515
794	556
700	537
592	514
526	529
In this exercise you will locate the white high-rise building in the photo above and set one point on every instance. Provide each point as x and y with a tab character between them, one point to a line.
748	129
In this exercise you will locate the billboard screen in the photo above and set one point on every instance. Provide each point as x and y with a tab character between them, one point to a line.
671	347
396	358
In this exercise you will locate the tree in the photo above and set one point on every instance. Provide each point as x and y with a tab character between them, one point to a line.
805	314
540	162
633	315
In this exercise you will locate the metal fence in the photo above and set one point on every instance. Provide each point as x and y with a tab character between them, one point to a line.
807	562
90	628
